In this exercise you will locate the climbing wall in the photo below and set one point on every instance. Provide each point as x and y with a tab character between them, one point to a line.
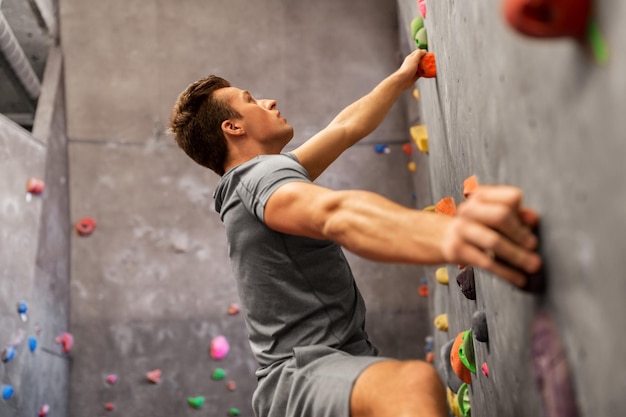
545	115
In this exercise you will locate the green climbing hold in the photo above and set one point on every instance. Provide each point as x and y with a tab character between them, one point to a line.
421	39
598	45
416	25
233	412
219	374
464	401
466	352
196	402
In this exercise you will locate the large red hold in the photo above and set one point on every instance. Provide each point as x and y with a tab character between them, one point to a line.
548	18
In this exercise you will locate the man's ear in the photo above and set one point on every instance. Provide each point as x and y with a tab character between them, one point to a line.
232	127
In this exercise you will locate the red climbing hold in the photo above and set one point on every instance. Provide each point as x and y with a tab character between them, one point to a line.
485	368
35	186
154	376
66	340
407	149
427	68
548	18
422	290
233	309
44	410
231	385
109	406
430	357
85	226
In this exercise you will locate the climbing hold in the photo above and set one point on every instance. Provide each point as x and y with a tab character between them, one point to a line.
467	283
485	368
453	403
416	94
32	343
421	39
422	290
109	406
441	322
44	410
416	25
66	340
479	327
421	5
548	18
464	401
427	68
458	367
8	353
407	148
466	351
85	226
154	376
231	385
430	342
429	208
469	185
441	275
7	392
22	308
219	347
233	412
420	137
218	374
381	148
551	369
233	309
597	43
196	402
112	379
452	381
411	166
430	357
446	206
35	186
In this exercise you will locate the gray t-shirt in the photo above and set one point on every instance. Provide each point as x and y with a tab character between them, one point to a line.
296	291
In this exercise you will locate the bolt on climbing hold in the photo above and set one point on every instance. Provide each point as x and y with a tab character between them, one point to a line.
479	326
467	283
8	353
154	376
43	410
464	400
419	134
429	209
85	226
421	39
233	309
466	351
411	166
416	25
382	149
233	412
66	340
549	18
485	368
421	5
35	186
469	185
416	94
218	374
32	343
430	357
111	379
22	308
452	381
219	348
407	149
458	367
453	403
196	402
7	392
441	275
231	385
427	67
430	342
109	406
441	322
446	206
423	291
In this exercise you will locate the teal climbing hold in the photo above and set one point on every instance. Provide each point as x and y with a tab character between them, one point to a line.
196	402
218	374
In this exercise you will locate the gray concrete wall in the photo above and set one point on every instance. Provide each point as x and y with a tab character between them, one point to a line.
151	286
34	252
544	116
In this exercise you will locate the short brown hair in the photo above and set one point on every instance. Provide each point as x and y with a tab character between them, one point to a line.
196	123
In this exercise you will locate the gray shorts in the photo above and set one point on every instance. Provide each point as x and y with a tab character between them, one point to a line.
316	382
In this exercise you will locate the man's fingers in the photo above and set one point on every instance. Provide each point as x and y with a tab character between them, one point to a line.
499	194
484	261
529	217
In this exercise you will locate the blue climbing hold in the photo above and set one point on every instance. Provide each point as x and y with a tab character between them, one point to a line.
8	354
7	392
22	307
381	148
32	343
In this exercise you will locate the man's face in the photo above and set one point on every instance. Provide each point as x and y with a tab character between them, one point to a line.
261	119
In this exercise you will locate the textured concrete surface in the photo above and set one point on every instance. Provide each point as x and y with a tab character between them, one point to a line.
151	286
544	116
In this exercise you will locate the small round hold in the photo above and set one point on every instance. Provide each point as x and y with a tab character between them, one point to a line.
8	354
32	343
233	309
44	410
66	340
109	406
430	357
22	307
196	402
231	385
218	374
233	412
441	275
407	148
7	392
422	290
479	327
85	226
381	149
411	166
35	186
441	322
111	379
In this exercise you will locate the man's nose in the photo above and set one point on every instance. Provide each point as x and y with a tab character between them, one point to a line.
269	104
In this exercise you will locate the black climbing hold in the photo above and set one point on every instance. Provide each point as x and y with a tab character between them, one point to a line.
452	381
479	327
466	281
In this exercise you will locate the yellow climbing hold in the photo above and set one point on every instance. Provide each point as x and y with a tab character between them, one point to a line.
441	275
420	137
430	208
416	94
453	402
412	166
441	322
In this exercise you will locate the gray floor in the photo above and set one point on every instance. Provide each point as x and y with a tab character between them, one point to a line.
151	286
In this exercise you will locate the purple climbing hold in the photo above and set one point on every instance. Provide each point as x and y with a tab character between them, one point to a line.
466	281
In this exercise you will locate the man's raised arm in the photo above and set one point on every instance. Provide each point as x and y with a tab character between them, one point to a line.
358	119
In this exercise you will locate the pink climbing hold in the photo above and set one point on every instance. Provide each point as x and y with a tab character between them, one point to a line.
219	347
112	379
485	368
35	186
66	340
154	376
109	406
421	5
233	309
44	410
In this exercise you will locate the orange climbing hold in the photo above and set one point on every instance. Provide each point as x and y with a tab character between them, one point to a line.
469	185
446	206
423	290
427	68
459	368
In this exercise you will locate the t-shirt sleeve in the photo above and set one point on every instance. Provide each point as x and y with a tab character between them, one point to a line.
265	177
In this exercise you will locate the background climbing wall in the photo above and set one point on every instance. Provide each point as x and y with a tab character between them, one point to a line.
545	116
151	286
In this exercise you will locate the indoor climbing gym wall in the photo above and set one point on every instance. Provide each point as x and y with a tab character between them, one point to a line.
529	93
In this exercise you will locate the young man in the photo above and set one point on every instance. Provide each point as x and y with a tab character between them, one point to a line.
304	313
